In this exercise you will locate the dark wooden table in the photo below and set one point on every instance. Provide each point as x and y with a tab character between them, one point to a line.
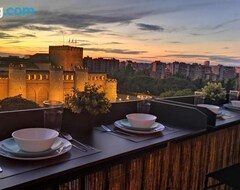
112	149
180	145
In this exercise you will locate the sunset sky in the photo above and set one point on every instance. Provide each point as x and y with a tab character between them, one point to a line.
140	30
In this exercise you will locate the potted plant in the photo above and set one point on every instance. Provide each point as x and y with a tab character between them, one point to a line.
214	93
82	107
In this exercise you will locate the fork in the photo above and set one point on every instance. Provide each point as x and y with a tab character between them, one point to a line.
106	128
117	131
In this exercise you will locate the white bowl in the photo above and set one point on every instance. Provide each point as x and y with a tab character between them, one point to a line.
235	103
212	108
141	120
35	139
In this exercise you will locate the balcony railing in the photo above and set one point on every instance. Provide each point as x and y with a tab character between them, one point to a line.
179	160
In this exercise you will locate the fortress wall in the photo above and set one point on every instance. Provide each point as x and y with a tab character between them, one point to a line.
109	85
3	88
97	79
66	56
56	85
38	90
17	81
81	78
68	87
111	90
98	83
53	84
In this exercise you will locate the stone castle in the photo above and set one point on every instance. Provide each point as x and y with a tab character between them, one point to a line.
65	72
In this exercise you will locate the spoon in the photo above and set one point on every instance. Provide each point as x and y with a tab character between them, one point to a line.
69	137
106	128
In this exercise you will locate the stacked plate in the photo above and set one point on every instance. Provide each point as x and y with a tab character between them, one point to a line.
124	125
10	149
232	107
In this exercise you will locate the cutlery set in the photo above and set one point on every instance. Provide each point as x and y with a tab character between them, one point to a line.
106	129
9	149
80	146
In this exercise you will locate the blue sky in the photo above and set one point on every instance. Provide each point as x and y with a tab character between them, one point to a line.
167	30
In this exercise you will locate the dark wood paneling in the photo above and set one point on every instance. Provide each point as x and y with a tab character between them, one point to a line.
182	165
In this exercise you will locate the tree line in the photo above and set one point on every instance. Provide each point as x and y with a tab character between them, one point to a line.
131	81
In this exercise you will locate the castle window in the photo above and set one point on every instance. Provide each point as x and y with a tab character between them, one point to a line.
34	77
72	77
67	77
28	77
40	77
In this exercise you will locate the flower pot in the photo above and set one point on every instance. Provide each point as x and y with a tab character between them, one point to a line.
217	103
78	124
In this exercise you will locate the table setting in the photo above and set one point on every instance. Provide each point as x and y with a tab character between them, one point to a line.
234	105
220	113
39	144
137	127
46	142
9	149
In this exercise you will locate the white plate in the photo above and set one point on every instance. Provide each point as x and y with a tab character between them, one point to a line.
63	149
125	123
10	146
156	130
231	107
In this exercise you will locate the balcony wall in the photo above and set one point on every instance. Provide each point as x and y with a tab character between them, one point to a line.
175	165
181	165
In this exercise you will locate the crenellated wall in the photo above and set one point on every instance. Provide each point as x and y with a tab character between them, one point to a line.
38	90
66	56
81	78
3	88
98	79
54	84
66	72
17	80
111	89
68	82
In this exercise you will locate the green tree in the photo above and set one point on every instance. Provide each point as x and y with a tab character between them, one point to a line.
17	103
230	84
170	93
130	81
199	83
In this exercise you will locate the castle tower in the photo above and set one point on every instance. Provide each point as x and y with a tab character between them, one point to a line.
111	90
56	84
66	56
81	78
17	80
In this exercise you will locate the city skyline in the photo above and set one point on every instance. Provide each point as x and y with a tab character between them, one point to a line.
189	31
